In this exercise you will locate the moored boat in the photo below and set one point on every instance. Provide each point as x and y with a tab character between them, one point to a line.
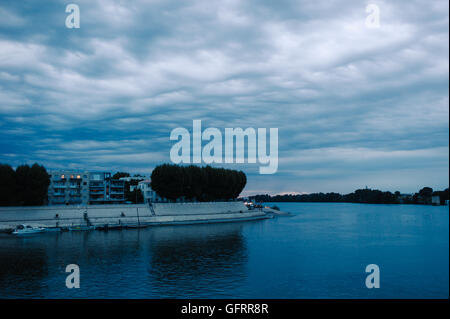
27	230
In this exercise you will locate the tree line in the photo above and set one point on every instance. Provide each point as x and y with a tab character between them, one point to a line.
197	183
24	186
368	196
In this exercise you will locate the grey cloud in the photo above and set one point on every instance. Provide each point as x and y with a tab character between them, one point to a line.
348	101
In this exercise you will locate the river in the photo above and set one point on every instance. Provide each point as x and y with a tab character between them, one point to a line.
321	251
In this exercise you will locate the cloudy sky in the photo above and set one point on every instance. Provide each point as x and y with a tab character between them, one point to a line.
354	105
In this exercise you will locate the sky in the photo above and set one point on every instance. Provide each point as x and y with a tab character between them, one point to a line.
355	105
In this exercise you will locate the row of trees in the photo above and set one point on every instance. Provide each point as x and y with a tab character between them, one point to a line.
24	186
197	183
368	196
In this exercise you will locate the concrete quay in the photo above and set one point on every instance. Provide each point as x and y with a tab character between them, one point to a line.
127	215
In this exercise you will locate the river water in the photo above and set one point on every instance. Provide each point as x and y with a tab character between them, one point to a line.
319	252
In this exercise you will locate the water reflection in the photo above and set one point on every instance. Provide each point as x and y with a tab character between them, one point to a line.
169	261
185	259
23	266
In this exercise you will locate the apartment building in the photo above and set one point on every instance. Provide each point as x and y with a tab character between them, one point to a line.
105	190
83	188
68	188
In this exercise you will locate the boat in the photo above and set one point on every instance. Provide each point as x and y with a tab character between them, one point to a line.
78	228
27	230
53	229
107	227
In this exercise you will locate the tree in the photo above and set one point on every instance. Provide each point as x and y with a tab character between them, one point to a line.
7	185
40	181
424	196
135	196
24	186
118	175
197	183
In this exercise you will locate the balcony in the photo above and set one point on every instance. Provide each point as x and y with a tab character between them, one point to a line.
116	184
59	194
96	185
96	196
75	194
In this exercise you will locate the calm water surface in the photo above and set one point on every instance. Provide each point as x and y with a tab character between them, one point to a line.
319	252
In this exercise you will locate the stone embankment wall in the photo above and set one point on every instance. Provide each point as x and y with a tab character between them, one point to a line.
99	215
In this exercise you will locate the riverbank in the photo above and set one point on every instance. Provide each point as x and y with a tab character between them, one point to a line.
110	216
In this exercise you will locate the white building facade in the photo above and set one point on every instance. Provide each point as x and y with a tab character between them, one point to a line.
149	194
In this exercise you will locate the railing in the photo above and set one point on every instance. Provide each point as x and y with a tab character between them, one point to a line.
117	185
97	199
59	194
96	186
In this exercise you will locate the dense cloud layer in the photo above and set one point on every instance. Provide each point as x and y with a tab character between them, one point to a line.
355	106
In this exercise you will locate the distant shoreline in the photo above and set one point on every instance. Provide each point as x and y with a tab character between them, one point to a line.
399	204
426	196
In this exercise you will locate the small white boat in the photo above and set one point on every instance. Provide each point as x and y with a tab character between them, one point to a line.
27	230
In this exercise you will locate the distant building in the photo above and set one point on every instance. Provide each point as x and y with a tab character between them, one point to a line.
435	200
149	194
82	188
405	198
132	181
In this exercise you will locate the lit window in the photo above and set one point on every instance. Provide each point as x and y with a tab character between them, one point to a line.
78	176
62	176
